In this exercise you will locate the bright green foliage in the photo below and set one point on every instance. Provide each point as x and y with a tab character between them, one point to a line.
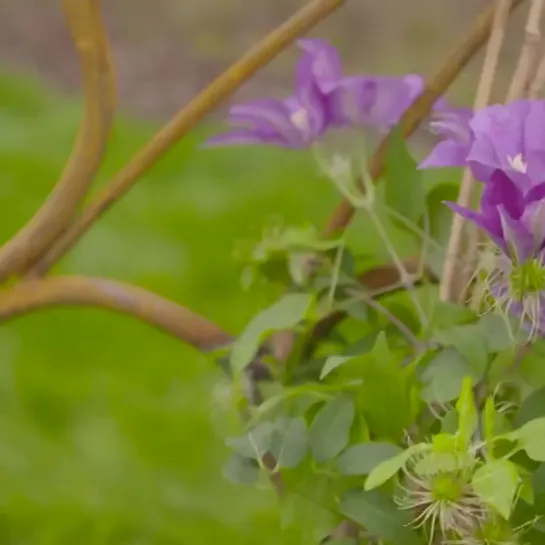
496	482
285	313
404	191
330	430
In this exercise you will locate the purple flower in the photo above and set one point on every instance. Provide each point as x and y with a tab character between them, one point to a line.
322	99
297	121
506	137
513	216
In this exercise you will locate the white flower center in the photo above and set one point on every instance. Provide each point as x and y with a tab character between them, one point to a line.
517	163
300	120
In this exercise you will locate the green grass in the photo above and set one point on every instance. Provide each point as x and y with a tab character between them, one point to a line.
111	432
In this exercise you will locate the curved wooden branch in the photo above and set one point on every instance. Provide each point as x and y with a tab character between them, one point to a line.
83	18
33	295
417	112
188	117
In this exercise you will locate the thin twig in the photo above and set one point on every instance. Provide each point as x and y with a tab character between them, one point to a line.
528	53
538	82
379	281
450	287
434	88
187	118
404	276
394	320
57	211
33	295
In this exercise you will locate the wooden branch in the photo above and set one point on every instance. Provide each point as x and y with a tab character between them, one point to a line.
476	37
528	52
57	211
33	295
187	118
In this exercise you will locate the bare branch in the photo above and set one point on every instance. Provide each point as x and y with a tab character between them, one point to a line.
538	82
33	295
449	289
528	53
188	117
83	18
435	87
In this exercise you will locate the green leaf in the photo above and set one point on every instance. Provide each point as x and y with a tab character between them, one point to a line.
446	315
531	368
289	442
470	343
329	432
386	385
532	407
526	489
379	515
496	332
255	443
496	483
530	438
240	470
387	469
440	222
493	425
443	376
449	422
284	314
404	191
332	363
467	415
363	458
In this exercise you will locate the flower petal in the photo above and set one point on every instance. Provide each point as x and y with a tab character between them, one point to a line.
393	96
326	64
500	190
490	224
452	123
352	100
449	153
310	98
536	193
264	115
534	221
245	137
520	241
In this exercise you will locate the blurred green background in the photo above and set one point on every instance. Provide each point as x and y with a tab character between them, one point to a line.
111	432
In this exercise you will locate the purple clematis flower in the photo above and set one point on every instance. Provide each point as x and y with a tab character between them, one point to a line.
513	216
322	99
297	121
506	137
